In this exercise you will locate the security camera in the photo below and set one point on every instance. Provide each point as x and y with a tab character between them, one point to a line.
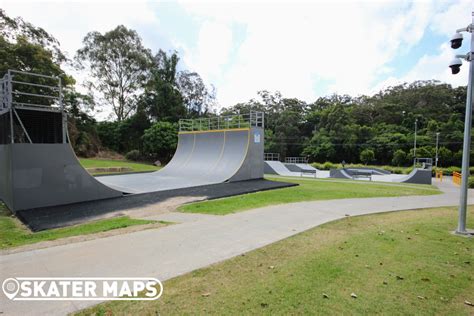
455	65
456	40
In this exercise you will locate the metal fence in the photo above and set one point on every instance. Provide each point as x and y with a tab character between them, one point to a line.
296	160
252	119
271	157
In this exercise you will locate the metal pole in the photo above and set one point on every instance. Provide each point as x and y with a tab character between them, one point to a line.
437	142
467	144
414	144
10	104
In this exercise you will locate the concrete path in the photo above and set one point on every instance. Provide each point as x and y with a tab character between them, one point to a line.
198	242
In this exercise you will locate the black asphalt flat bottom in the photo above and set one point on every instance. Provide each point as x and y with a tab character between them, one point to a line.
72	214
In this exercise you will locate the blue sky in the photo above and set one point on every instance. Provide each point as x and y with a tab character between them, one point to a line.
302	49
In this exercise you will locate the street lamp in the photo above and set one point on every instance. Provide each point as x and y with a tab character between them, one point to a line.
437	141
414	144
455	65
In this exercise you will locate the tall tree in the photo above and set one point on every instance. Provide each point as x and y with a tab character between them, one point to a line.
118	62
197	98
162	99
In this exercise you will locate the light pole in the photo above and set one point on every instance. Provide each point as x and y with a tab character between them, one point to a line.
455	66
437	141
414	144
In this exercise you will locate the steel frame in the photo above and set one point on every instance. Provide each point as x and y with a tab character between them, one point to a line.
10	88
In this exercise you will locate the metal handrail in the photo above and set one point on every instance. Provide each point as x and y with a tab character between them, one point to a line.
296	159
252	119
271	156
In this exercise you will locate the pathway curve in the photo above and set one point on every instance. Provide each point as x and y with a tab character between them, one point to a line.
195	243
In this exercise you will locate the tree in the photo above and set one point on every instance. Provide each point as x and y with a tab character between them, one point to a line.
197	98
162	99
399	157
160	140
12	29
82	128
445	157
118	62
367	155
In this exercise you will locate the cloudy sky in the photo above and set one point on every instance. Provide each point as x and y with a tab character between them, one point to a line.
302	49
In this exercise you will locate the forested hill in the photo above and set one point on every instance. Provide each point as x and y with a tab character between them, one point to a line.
148	94
378	128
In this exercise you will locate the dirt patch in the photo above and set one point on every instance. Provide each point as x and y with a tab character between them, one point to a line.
162	207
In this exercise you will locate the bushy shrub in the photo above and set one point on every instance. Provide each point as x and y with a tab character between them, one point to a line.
160	140
367	155
133	155
399	157
471	183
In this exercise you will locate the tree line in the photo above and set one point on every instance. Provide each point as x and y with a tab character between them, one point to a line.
147	94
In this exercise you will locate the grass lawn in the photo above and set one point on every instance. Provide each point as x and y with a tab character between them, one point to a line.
403	263
104	163
308	190
14	234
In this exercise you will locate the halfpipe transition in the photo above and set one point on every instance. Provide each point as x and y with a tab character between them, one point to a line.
39	169
43	175
201	158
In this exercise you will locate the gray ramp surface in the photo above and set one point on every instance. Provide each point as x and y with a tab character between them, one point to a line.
300	167
339	174
201	158
277	167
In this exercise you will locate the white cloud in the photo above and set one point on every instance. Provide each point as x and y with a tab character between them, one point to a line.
434	65
290	46
70	23
212	51
431	67
285	46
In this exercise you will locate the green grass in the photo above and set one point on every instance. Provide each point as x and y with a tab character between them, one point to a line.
400	263
14	234
308	190
105	163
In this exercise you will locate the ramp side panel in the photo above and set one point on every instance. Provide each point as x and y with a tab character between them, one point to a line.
50	174
339	174
252	166
417	176
268	169
5	176
280	168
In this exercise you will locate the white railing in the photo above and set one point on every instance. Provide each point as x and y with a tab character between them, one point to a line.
271	157
296	159
252	119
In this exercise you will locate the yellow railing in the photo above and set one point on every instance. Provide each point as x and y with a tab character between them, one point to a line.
457	178
439	175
